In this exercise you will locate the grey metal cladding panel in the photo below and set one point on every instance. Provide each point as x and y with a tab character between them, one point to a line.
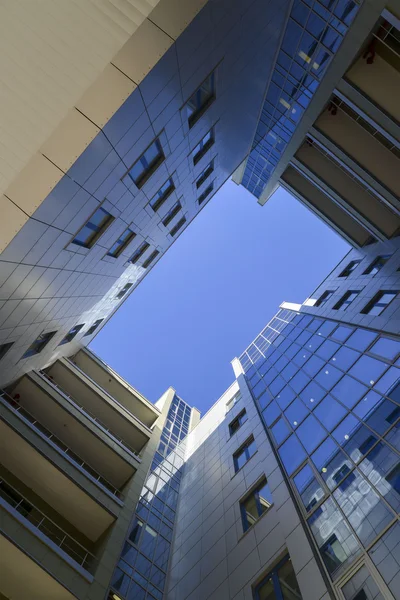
132	109
160	76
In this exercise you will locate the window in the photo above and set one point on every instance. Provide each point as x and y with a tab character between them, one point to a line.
324	298
379	302
279	584
121	243
149	260
94	228
163	193
377	264
346	300
255	504
122	293
231	403
238	422
139	252
178	226
39	344
350	268
394	478
244	453
93	327
172	213
4	348
203	146
341	474
145	166
333	553
392	418
71	334
205	174
206	193
203	97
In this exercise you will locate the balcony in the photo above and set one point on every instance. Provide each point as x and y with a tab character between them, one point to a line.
72	432
111	383
97	402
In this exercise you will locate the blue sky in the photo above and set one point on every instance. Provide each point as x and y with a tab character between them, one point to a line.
214	290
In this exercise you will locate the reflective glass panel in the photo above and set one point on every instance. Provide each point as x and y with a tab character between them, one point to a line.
280	431
285	397
328	376
330	412
386	348
349	391
329	461
308	487
296	413
368	369
312	394
292	454
341	333
361	339
383	471
345	358
311	433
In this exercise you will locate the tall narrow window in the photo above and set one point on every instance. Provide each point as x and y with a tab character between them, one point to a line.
172	213
203	146
206	193
162	195
279	584
178	226
238	422
205	174
149	260
255	504
377	264
346	300
71	334
139	252
147	164
231	403
244	453
4	348
93	229
350	268
93	327
324	298
41	341
379	302
121	243
124	290
203	97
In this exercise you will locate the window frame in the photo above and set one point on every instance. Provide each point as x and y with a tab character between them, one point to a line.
39	344
253	492
203	146
206	193
171	214
177	226
205	174
124	290
93	327
160	199
350	268
376	262
4	348
324	298
73	332
375	302
199	107
238	418
148	168
244	448
140	250
150	259
272	575
98	230
120	244
343	301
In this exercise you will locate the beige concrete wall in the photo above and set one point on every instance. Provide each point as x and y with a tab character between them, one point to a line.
65	68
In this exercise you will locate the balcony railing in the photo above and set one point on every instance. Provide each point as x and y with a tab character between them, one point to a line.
60	445
53	532
116	437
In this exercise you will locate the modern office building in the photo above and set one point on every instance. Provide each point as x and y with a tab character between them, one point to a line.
329	127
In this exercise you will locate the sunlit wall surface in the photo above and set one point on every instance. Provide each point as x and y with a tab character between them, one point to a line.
141	571
329	395
313	35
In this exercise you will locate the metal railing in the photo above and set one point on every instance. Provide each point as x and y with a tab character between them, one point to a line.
58	387
60	445
53	532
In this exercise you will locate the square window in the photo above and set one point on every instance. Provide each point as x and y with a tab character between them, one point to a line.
178	226
203	146
163	193
255	504
93	229
41	341
244	453
205	174
200	101
238	422
147	164
350	268
71	334
206	193
139	252
4	348
149	260
121	243
379	302
93	327
171	213
324	298
377	264
346	300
